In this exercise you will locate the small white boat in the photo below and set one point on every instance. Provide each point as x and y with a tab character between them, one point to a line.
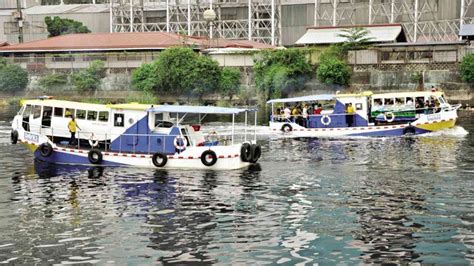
380	115
133	135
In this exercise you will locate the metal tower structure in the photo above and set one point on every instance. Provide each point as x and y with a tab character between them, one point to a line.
262	23
419	17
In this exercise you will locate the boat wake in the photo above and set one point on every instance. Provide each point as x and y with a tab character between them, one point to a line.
456	131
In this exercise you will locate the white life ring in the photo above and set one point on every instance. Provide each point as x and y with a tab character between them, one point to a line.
183	145
93	141
392	116
326	120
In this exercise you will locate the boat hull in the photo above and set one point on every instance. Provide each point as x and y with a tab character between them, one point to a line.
421	126
228	157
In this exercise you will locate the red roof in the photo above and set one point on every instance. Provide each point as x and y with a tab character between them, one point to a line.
128	40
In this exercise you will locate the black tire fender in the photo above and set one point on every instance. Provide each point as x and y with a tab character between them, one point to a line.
205	155
95	156
286	128
45	149
159	159
14	137
256	152
245	152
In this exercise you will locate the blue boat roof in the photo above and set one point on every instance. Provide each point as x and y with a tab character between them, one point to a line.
310	98
197	109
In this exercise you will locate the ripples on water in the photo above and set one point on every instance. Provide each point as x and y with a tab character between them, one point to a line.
320	201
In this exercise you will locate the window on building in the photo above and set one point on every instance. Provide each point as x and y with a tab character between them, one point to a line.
62	58
94	57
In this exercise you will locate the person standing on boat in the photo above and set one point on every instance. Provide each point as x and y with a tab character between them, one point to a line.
305	115
350	115
72	126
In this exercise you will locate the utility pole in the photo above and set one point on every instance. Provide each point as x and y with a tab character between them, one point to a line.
20	21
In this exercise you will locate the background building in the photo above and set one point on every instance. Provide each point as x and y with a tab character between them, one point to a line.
270	21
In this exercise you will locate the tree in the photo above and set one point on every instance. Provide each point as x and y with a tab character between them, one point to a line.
145	78
88	80
179	71
356	39
467	68
334	71
229	83
58	26
13	78
281	71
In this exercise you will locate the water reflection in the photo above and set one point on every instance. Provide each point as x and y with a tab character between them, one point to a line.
348	201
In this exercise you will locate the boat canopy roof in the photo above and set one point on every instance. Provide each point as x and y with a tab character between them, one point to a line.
408	94
65	104
197	109
309	98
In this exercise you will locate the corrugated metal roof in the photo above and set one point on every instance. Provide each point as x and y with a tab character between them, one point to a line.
329	35
126	41
467	30
66	9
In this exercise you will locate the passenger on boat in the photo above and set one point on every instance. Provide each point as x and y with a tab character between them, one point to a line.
276	115
287	113
67	113
73	126
305	115
318	110
427	107
350	115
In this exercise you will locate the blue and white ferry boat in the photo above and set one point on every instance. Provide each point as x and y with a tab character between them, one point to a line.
362	114
133	135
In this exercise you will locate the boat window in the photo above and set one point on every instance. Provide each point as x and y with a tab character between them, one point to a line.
420	101
358	106
69	112
103	116
58	111
166	124
92	115
36	111
378	102
388	101
441	100
27	111
400	101
409	101
81	114
119	120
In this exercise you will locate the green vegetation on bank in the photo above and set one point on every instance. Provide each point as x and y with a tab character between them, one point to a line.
181	71
61	26
467	69
88	80
278	72
12	77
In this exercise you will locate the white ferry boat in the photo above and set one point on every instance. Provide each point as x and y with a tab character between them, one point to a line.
133	135
363	114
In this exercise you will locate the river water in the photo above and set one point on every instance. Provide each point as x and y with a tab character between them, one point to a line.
349	201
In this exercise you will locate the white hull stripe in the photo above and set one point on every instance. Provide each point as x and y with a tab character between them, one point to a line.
131	154
367	128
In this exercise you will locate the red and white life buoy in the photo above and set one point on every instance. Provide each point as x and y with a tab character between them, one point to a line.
180	143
